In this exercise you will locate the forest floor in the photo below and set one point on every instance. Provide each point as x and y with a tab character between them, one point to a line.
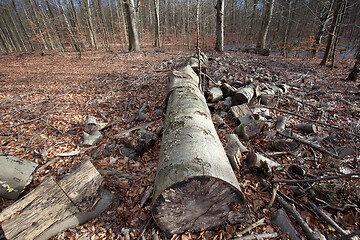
45	100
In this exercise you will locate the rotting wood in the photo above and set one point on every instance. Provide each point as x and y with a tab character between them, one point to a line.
55	206
243	95
242	113
194	178
15	175
257	162
250	130
307	128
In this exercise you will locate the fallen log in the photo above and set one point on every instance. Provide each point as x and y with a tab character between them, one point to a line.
195	187
54	206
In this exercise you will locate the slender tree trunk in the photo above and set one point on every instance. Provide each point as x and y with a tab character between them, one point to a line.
332	32
4	41
250	35
36	17
103	25
220	7
57	29
46	28
265	24
16	31
121	19
337	33
22	26
133	34
324	18
90	23
157	23
188	25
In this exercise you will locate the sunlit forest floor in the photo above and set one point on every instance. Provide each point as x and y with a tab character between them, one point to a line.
45	99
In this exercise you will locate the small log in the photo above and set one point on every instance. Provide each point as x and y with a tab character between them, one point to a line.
307	128
281	219
219	120
243	95
233	138
250	130
193	181
259	163
260	51
267	100
227	89
215	94
242	113
54	206
91	134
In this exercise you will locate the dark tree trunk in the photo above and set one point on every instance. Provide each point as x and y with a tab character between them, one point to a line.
354	74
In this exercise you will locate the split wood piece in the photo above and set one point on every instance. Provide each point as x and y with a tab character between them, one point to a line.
233	138
233	152
306	127
280	123
193	181
127	132
281	219
251	227
291	210
228	90
261	112
267	100
215	94
244	95
219	120
53	207
15	175
259	163
300	139
242	113
250	130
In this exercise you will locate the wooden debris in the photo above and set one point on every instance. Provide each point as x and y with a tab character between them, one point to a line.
285	145
242	113
193	181
260	51
219	120
281	219
306	127
250	130
233	138
54	206
258	163
91	132
15	175
233	152
251	227
215	94
243	95
261	236
228	90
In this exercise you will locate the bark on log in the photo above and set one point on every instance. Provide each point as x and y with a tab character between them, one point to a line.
233	138
242	113
215	94
243	95
195	187
307	128
15	174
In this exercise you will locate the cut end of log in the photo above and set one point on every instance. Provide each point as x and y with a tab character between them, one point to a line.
198	203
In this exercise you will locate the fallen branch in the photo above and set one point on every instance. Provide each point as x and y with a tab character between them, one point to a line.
258	236
251	227
304	226
292	181
327	218
349	236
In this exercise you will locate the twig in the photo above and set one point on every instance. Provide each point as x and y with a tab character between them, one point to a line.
258	236
326	218
292	181
304	226
273	196
144	228
27	146
308	119
251	227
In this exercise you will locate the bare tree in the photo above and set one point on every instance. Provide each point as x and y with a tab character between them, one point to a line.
133	35
265	23
220	7
354	74
157	23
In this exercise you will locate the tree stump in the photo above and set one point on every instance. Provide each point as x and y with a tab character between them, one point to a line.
195	187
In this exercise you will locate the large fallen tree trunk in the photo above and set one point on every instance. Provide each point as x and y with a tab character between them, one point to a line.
195	187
